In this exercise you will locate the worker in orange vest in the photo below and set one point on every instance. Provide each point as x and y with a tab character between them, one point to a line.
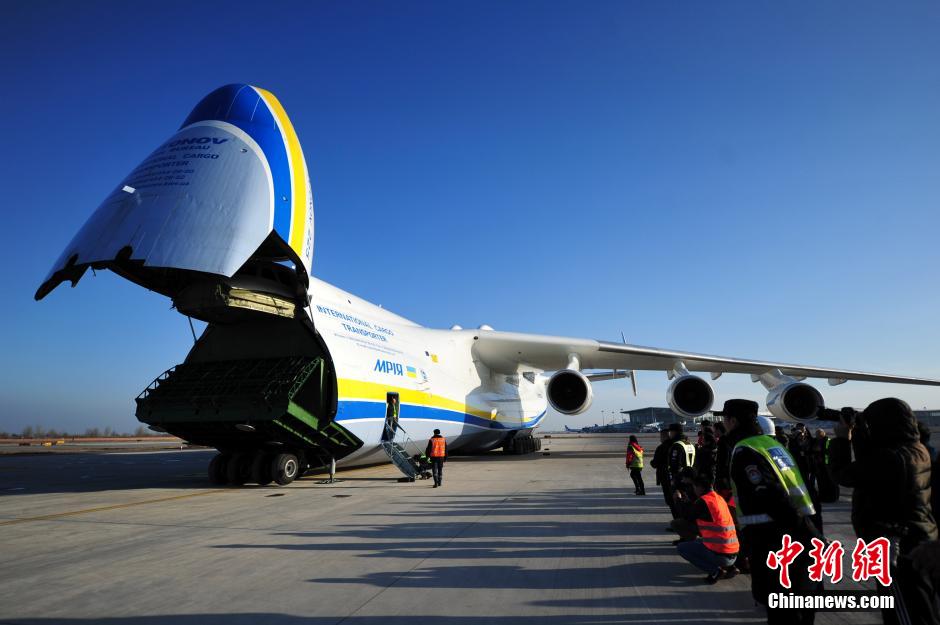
716	548
437	452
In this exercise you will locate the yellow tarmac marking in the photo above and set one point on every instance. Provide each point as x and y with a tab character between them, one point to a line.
59	515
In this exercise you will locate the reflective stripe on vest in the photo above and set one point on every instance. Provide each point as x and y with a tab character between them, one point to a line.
787	472
689	450
637	461
719	535
438	445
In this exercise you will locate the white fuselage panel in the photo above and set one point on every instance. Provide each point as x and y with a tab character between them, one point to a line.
438	383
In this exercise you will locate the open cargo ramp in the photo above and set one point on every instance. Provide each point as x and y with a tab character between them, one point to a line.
250	407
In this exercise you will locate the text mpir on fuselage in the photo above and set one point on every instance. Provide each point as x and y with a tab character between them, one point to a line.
293	373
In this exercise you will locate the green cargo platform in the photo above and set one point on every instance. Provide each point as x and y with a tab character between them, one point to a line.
244	405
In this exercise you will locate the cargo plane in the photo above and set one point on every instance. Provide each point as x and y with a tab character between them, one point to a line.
292	373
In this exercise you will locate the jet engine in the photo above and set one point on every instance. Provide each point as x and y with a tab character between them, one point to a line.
795	401
690	396
569	392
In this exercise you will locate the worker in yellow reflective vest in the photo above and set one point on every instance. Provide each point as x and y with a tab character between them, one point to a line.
681	455
635	465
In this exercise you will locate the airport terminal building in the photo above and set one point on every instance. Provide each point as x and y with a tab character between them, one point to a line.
930	417
653	414
656	414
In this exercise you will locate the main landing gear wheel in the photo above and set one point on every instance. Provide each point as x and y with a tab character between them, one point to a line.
285	468
261	469
238	470
217	469
522	445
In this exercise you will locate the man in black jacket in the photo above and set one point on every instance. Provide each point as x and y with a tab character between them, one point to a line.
800	447
891	478
659	462
723	461
706	455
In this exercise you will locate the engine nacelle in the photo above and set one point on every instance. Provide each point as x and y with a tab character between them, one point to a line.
569	392
795	401
690	396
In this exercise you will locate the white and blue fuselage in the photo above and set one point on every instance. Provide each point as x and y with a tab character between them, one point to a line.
438	382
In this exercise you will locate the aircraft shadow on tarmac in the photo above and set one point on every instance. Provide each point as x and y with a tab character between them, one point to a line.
30	474
621	562
485	538
95	472
539	504
656	575
513	550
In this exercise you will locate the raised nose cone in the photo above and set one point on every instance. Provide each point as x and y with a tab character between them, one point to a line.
230	186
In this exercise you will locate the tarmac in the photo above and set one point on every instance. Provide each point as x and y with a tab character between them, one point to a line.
555	537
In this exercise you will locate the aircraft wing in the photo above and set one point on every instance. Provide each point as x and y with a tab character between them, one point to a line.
505	351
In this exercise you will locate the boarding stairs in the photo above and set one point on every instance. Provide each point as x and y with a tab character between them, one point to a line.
397	452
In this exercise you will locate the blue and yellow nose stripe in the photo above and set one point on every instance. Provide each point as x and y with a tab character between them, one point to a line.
260	114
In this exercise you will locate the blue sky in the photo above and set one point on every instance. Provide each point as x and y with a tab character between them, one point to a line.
747	179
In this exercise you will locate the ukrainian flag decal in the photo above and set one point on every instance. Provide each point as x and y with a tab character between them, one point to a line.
412	372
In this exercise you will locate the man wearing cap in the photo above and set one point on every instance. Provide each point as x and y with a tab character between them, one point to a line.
681	455
437	452
772	500
800	448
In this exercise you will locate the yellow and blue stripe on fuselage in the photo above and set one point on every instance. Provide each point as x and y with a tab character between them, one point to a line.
360	400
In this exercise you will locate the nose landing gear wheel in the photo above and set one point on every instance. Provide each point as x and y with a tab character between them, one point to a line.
285	468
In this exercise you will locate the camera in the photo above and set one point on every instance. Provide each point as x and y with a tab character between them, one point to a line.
847	414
